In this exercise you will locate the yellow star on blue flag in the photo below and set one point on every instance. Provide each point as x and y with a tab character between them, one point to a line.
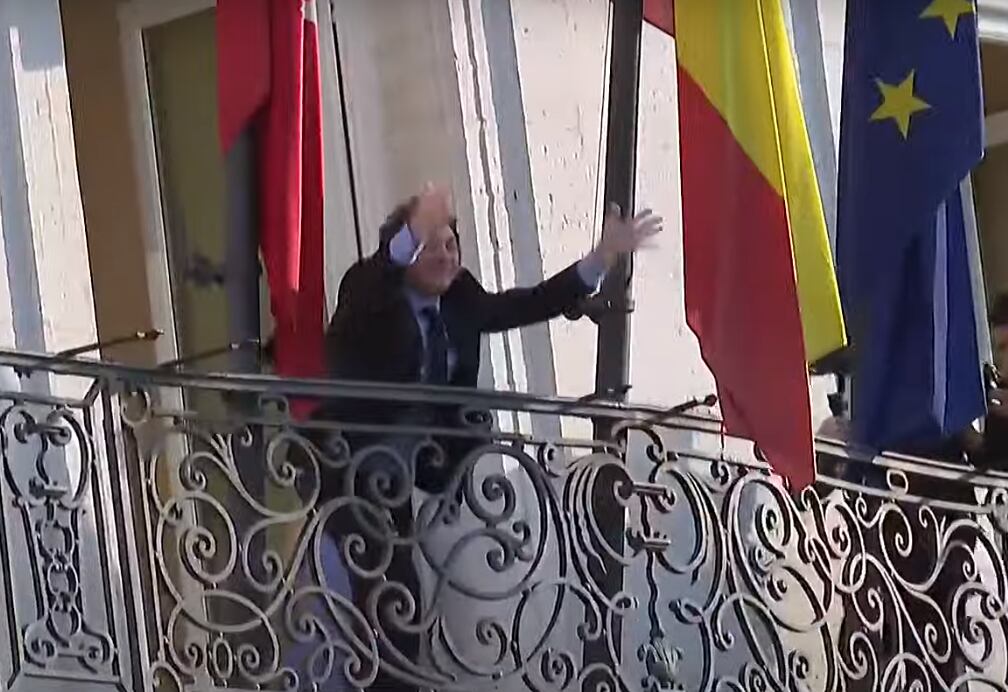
899	103
949	11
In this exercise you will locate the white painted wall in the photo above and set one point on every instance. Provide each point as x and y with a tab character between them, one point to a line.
831	20
993	19
561	55
45	282
404	118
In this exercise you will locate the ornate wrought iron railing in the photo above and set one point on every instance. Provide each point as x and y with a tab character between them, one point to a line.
183	532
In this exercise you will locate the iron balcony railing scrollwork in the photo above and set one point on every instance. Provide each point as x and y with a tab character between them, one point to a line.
175	531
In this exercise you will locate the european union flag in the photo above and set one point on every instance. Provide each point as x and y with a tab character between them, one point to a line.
911	130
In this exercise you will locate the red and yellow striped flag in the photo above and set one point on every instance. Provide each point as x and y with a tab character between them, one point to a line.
761	291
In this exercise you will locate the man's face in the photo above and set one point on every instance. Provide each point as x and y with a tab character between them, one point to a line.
437	265
1000	334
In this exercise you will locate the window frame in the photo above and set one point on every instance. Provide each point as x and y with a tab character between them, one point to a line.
342	233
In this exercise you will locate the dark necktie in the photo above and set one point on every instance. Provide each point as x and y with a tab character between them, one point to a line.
437	346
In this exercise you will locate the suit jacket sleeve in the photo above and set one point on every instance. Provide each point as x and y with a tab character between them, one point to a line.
520	307
364	308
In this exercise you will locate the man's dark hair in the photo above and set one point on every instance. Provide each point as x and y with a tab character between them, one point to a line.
999	311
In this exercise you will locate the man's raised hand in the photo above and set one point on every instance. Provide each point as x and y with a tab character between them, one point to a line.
621	235
433	211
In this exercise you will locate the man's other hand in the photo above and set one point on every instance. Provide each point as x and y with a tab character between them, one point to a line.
621	235
433	211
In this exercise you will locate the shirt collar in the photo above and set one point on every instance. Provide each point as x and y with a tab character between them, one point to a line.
419	302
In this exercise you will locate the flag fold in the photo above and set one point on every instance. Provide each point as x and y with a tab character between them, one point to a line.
269	79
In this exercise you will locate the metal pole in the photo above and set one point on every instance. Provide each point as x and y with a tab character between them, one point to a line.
612	367
241	284
241	274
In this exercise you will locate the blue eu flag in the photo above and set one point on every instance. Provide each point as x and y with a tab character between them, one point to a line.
911	130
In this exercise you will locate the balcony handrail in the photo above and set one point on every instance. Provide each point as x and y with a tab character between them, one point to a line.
25	361
629	413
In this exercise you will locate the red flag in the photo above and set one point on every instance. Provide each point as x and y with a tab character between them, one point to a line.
268	77
661	14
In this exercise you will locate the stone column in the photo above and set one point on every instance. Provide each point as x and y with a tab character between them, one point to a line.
64	601
45	282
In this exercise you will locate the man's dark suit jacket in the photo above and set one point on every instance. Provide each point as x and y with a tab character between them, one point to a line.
374	336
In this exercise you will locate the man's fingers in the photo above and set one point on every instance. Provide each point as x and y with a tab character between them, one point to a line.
651	220
435	190
647	220
650	226
646	214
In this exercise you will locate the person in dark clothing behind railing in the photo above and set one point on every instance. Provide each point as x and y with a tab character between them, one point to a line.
411	313
989	449
884	535
983	450
986	449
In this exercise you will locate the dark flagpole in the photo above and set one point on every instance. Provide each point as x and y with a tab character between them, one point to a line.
611	311
612	367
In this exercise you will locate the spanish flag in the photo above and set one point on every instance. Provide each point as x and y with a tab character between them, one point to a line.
761	291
